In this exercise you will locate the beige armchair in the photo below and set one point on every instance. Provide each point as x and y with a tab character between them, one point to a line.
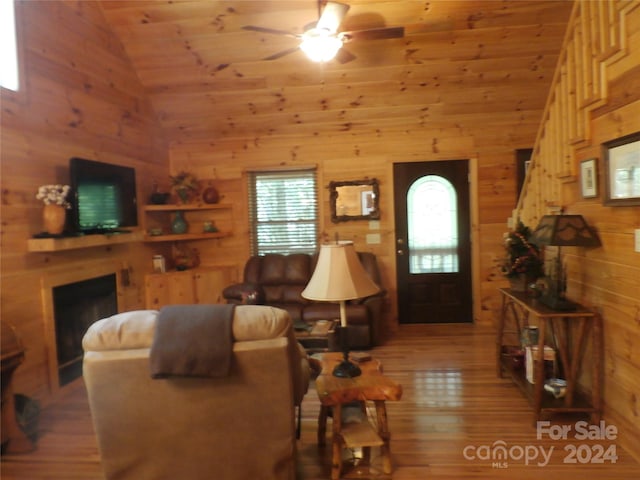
238	426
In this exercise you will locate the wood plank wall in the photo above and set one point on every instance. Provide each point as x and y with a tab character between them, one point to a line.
80	97
595	98
367	148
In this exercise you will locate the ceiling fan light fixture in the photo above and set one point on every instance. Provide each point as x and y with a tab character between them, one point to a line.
320	44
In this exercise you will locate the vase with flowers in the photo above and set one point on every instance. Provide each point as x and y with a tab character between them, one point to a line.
524	263
185	185
54	213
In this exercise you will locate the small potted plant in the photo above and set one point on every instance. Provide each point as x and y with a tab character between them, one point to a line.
184	185
524	263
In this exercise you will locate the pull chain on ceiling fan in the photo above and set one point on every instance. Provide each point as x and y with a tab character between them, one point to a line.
321	40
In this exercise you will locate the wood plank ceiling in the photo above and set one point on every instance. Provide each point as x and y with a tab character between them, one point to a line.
207	77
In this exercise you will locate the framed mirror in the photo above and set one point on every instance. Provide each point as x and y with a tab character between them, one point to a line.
354	200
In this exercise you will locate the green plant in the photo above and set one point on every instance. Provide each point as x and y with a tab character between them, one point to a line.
184	184
184	180
523	256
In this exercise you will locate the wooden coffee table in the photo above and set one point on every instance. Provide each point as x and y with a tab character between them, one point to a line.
334	393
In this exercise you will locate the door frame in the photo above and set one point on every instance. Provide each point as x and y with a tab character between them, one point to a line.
474	230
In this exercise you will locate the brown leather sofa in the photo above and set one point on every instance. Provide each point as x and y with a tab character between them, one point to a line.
278	280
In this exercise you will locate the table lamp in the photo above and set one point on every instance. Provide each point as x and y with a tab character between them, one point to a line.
339	276
562	231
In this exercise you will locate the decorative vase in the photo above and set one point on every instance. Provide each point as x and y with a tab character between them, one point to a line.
53	219
179	224
183	195
210	195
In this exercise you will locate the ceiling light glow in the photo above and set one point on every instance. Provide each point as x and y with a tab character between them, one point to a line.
320	45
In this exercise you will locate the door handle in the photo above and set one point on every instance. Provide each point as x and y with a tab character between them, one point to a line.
400	252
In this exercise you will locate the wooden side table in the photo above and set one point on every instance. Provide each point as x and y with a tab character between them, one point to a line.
568	331
13	438
335	392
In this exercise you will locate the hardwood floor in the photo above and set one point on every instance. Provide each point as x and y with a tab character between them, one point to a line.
452	404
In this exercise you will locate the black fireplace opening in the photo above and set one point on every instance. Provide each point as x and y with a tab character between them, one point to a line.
76	306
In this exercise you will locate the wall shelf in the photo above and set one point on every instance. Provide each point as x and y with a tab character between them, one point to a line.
85	241
174	237
187	207
159	217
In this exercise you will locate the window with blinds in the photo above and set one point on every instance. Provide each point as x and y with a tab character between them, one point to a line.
283	211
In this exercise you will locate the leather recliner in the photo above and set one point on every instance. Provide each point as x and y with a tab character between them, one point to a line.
278	280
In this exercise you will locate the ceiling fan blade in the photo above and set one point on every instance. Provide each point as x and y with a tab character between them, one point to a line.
344	56
281	54
332	16
272	31
373	34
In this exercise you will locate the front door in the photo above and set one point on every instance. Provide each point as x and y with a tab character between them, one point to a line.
433	244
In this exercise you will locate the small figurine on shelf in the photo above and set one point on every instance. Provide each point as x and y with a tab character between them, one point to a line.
185	185
209	227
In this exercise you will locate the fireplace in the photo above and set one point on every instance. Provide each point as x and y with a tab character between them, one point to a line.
76	306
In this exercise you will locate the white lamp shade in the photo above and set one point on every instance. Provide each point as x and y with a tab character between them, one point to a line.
339	275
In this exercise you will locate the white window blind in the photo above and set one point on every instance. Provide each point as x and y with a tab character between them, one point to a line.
283	211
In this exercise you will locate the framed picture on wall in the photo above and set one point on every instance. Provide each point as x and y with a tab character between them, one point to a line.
588	178
622	170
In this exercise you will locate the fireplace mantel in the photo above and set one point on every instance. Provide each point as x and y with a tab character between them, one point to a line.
86	241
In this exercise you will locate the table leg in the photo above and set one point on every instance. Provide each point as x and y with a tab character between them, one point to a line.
499	335
576	360
596	369
336	462
322	425
538	372
383	431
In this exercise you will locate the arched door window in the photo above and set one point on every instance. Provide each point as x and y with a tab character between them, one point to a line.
432	226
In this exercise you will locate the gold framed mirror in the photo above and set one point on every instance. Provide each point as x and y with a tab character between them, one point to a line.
354	200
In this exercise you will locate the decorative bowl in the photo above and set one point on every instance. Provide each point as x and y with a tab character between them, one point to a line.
159	198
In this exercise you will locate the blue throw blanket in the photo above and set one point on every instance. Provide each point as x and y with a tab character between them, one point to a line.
192	341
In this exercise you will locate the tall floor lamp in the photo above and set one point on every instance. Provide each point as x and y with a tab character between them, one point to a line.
562	231
339	276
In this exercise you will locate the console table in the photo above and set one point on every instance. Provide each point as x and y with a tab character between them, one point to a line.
335	392
567	332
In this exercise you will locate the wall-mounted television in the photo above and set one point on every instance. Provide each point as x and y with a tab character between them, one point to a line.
104	196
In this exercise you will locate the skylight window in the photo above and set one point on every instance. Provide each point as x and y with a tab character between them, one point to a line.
8	46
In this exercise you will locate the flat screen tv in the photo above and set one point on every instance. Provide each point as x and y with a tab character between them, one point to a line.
104	196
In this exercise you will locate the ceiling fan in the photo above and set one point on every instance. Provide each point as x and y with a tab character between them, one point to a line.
321	40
